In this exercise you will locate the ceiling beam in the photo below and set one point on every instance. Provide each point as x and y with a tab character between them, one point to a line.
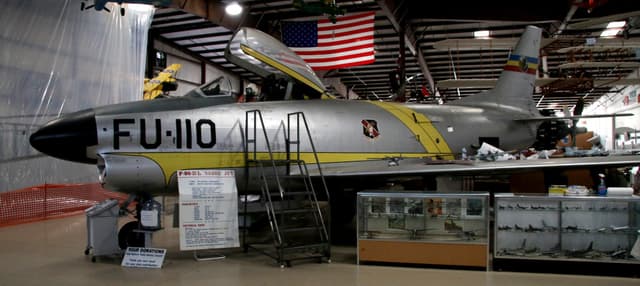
187	18
200	36
190	53
387	8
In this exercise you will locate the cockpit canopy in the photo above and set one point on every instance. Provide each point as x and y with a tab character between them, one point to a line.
285	75
219	87
271	59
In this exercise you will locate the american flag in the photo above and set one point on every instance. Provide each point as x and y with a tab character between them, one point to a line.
324	45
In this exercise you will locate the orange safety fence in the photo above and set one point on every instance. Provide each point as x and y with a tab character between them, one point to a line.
51	201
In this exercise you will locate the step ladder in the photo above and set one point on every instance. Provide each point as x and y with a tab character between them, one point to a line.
298	222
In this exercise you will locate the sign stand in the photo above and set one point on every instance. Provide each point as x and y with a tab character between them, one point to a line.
208	208
209	257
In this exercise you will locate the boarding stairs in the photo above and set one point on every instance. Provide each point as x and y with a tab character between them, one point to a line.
298	222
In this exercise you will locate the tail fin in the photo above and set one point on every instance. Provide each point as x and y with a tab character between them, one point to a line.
514	89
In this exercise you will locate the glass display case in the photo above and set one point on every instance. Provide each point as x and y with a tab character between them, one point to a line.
563	228
423	227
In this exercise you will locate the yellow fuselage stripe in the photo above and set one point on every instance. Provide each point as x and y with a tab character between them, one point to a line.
170	162
425	132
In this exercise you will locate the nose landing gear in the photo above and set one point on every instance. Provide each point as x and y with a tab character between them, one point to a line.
136	233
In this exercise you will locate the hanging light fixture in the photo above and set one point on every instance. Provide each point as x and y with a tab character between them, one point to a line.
613	28
481	34
233	8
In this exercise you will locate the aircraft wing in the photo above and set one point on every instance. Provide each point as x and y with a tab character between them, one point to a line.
576	117
490	83
592	64
412	166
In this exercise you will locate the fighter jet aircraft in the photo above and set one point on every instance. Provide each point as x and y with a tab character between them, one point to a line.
141	145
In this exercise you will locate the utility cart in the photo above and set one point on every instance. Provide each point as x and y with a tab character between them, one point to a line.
102	229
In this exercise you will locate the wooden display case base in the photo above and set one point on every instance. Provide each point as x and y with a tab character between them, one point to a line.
462	254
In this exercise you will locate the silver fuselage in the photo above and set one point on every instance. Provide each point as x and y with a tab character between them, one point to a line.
142	144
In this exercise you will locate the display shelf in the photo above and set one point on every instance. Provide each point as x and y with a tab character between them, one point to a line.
586	229
423	228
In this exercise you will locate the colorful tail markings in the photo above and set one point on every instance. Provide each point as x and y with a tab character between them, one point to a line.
518	63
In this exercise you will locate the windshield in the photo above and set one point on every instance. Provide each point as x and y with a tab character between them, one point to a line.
220	86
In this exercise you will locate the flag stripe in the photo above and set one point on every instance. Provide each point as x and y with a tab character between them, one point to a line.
340	57
314	52
345	41
344	63
367	36
325	45
361	31
330	49
343	27
344	30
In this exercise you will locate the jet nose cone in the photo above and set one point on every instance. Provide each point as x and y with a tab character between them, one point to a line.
68	137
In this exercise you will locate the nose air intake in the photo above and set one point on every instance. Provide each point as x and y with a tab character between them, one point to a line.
68	137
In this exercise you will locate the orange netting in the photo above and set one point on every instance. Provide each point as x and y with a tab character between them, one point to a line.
51	201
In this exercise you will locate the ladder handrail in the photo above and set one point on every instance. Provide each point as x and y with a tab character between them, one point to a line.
270	210
266	138
303	170
313	147
252	161
271	213
327	232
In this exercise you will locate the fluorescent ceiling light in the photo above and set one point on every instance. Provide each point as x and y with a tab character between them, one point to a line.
616	24
233	8
609	33
481	34
139	7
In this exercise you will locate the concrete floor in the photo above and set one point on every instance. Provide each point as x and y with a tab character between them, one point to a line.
52	252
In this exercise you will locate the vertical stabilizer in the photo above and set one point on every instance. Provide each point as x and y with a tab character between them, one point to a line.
514	89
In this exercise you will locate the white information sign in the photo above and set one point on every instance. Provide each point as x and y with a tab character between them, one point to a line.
149	218
143	257
208	209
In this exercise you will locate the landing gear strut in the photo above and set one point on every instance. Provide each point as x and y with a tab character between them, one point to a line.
131	233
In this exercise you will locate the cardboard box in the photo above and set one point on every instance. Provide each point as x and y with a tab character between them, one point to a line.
529	182
580	177
581	141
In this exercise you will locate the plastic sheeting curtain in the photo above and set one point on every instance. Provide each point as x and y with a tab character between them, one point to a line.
55	59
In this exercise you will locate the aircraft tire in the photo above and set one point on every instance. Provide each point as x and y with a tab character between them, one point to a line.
127	237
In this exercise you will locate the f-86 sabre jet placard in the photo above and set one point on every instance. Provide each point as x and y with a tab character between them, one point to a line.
208	209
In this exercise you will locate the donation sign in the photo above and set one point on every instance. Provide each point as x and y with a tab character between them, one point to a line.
143	257
208	209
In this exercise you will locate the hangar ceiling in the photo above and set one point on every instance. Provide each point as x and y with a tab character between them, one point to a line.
579	63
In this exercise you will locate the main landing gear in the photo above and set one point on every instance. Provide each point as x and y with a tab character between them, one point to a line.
132	234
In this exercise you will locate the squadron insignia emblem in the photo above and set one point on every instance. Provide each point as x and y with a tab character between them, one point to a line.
523	64
370	128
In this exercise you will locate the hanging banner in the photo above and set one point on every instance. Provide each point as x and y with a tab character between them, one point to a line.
208	209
